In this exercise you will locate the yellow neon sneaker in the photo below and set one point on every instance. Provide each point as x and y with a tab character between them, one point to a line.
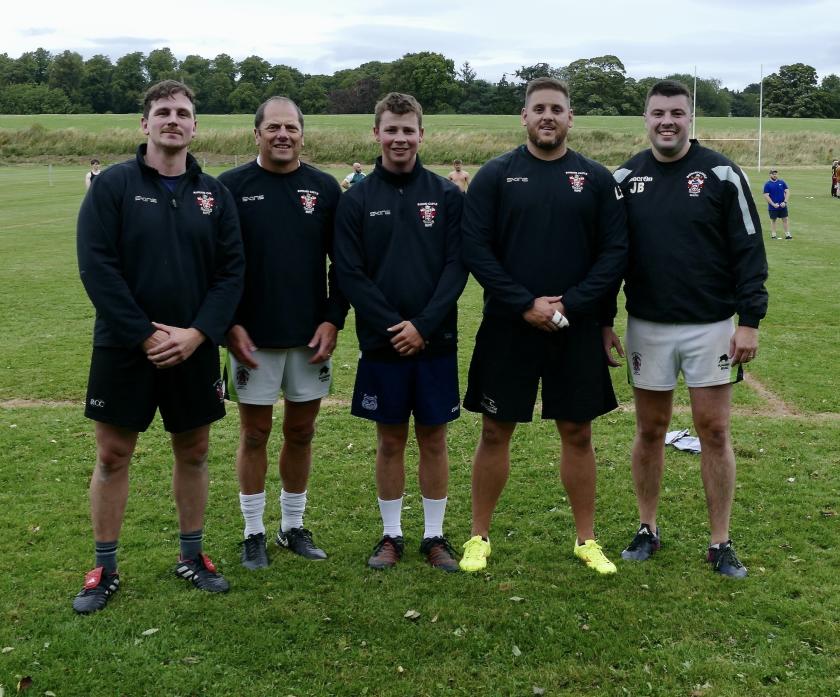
476	551
590	552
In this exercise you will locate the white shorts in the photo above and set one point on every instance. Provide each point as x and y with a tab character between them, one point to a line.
286	370
657	352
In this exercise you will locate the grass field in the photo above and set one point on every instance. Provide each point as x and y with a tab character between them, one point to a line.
354	122
536	623
74	138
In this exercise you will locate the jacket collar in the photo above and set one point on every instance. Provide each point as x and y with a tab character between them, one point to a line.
398	180
192	171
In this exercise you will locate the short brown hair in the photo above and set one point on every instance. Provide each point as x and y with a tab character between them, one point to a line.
546	83
259	116
669	88
166	88
398	103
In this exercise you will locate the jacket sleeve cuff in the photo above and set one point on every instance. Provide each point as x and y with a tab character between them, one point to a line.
748	321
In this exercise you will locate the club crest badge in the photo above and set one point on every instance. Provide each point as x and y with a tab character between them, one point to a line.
724	363
428	212
636	359
219	386
205	201
370	402
577	180
695	181
308	199
242	376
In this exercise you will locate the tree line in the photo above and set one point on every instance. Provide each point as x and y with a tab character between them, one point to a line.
40	82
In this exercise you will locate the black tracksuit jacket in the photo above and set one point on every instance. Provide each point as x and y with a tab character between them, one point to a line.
398	256
696	249
287	230
147	254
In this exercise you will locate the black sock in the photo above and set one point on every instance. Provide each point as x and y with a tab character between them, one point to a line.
191	545
106	555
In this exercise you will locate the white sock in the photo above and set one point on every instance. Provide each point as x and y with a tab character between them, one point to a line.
292	507
433	512
391	512
252	507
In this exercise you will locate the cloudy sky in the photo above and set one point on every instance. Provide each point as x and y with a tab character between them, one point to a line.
725	39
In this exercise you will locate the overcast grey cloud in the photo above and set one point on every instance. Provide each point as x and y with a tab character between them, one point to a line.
725	40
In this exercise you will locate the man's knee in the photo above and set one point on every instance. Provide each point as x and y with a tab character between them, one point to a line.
299	434
652	431
714	435
190	449
391	443
431	440
114	448
254	436
575	435
496	434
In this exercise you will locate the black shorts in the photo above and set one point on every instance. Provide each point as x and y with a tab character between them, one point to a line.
125	390
775	213
511	358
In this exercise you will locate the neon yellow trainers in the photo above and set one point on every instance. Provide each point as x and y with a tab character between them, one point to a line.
590	552
476	551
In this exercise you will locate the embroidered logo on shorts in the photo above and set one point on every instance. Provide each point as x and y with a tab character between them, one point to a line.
96	402
488	404
220	389
324	373
723	362
577	180
243	374
308	199
205	201
695	181
370	402
636	359
428	212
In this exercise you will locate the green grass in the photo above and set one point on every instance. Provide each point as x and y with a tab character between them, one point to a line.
664	628
98	123
346	138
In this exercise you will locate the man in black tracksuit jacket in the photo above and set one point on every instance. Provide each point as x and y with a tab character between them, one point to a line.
398	255
545	235
696	258
160	256
286	326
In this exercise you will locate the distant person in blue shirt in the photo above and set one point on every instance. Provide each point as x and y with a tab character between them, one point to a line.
776	194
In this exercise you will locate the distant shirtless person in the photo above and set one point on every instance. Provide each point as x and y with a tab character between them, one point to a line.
459	177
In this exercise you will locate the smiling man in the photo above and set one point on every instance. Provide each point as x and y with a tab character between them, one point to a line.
160	256
696	259
545	235
398	254
286	326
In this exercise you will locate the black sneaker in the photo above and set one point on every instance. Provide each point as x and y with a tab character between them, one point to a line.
644	544
254	555
299	541
439	553
97	591
202	574
725	562
387	553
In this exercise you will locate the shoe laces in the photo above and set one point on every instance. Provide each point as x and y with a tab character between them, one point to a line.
727	555
439	542
253	543
594	552
386	540
474	547
643	535
302	533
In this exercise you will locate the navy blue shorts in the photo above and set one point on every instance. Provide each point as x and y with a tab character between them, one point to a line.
388	392
777	213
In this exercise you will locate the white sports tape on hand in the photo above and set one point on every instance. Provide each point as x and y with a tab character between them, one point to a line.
559	320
